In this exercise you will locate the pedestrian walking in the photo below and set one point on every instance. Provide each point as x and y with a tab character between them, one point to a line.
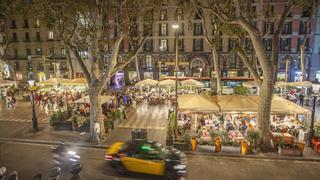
301	99
96	130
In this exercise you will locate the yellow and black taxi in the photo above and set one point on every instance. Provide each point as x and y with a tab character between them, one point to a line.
148	157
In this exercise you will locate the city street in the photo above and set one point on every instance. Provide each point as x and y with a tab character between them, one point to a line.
30	159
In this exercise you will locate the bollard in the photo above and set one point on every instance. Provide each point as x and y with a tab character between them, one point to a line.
244	147
194	144
217	144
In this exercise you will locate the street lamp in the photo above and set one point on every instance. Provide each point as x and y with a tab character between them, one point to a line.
33	88
176	28
200	72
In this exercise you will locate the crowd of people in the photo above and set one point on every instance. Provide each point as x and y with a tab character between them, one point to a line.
50	102
9	99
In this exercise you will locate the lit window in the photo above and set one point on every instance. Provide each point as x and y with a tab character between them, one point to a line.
50	34
164	44
148	61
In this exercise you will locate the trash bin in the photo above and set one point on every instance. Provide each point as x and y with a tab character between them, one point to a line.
217	144
194	144
244	147
139	134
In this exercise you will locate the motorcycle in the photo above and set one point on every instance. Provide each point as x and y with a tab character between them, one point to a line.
11	176
64	156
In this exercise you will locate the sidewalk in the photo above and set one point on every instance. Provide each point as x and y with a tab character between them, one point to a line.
234	151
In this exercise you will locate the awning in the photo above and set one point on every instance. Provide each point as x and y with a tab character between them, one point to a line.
147	82
235	103
86	99
283	106
54	81
196	103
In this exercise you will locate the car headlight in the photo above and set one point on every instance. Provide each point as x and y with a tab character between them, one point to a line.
179	167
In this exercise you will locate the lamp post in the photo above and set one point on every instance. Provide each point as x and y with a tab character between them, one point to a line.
33	88
176	28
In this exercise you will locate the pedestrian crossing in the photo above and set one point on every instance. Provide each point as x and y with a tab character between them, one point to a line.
147	116
22	113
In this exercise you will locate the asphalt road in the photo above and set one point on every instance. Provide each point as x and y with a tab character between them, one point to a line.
30	159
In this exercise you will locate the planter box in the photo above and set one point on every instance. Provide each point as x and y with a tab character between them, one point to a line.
182	146
289	151
62	126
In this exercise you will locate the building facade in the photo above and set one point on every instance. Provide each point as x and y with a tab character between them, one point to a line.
35	52
158	57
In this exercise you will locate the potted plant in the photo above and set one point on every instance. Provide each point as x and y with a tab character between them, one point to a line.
170	129
252	138
183	142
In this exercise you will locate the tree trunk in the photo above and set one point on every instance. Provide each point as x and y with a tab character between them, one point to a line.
137	69
215	60
263	118
71	68
302	62
95	110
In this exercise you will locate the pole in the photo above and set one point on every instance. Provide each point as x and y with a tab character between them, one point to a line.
311	130
287	64
176	92
34	117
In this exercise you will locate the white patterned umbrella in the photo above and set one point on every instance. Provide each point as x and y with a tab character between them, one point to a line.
192	83
147	82
168	82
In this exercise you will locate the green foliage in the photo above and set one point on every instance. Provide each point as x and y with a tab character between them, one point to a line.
170	128
240	90
252	138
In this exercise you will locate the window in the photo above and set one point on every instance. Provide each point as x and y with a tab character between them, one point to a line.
15	53
290	14
27	36
300	41
233	43
285	44
197	44
163	14
163	44
267	44
248	45
51	51
38	51
83	54
25	23
181	45
37	23
28	52
306	11
148	45
232	61
17	65
149	61
29	65
197	16
147	29
219	45
63	52
197	29
14	37
303	27
163	29
287	29
268	27
181	29
179	14
270	11
13	23
50	35
37	36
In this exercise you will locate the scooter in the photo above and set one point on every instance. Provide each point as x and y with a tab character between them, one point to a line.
64	156
11	176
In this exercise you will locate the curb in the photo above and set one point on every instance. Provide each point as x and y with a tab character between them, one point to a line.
47	142
281	158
